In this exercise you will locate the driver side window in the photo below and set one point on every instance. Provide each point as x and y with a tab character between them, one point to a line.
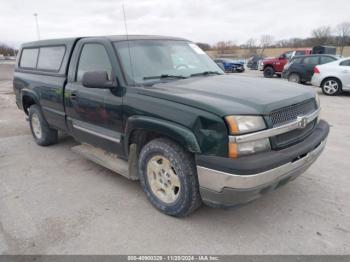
93	57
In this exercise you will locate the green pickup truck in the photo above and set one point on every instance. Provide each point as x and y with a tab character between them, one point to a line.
159	110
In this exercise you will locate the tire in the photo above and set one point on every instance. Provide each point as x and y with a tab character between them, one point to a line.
168	176
331	87
42	133
294	77
269	72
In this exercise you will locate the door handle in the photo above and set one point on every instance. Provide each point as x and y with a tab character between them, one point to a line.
345	71
73	95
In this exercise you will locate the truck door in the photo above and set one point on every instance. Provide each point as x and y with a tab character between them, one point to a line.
88	118
282	60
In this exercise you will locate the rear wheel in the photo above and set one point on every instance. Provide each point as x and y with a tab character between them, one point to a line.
294	77
168	177
269	72
42	133
331	87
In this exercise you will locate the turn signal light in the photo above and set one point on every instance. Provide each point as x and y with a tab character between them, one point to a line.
316	71
232	150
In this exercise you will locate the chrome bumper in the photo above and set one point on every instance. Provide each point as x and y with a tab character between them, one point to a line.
216	180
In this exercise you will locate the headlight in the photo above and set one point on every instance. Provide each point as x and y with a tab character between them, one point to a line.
244	124
248	148
239	125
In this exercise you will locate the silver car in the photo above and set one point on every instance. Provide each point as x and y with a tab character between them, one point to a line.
333	77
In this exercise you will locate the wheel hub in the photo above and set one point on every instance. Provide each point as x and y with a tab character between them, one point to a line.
162	179
36	126
331	87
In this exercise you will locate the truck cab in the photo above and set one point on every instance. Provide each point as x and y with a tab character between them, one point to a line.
274	66
159	110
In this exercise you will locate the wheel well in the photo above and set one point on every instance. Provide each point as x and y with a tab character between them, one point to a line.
141	137
331	77
27	101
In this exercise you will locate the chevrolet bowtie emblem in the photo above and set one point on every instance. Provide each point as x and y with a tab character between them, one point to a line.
302	121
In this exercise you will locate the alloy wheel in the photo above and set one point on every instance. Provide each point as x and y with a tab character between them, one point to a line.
331	87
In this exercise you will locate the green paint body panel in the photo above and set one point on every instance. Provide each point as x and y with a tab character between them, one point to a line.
189	111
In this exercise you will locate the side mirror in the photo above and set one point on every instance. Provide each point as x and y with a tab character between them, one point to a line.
97	79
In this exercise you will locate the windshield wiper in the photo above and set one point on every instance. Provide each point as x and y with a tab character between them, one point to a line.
164	76
205	73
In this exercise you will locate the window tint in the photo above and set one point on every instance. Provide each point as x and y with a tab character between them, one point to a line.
29	57
345	63
326	59
297	60
299	53
311	60
50	58
93	57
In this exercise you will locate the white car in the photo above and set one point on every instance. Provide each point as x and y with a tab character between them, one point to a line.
333	77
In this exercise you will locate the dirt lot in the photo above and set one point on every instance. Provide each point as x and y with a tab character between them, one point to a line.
53	201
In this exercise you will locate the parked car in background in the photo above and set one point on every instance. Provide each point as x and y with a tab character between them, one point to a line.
301	68
320	49
274	66
230	65
253	62
333	77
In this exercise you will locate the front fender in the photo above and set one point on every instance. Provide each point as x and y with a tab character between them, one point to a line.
178	133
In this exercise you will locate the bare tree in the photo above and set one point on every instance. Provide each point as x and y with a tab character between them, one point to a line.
251	46
321	35
223	46
265	41
343	33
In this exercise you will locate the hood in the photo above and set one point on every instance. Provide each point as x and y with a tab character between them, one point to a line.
226	95
270	60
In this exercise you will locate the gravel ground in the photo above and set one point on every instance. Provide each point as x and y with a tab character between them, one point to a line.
53	201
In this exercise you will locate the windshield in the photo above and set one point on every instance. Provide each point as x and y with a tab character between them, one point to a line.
152	60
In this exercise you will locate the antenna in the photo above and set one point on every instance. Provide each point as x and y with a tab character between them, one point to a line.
127	39
37	25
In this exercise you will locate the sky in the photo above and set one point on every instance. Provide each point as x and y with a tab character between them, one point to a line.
207	21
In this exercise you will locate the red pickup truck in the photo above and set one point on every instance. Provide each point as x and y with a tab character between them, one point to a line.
274	66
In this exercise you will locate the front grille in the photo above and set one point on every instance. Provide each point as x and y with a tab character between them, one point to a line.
290	113
294	136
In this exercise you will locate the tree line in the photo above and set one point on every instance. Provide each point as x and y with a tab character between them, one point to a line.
7	50
324	35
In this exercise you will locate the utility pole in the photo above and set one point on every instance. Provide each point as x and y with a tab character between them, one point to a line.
37	25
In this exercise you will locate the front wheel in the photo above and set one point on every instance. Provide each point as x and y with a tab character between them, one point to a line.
168	177
331	87
269	72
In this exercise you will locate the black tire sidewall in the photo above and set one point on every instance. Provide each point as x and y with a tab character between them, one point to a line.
184	169
269	72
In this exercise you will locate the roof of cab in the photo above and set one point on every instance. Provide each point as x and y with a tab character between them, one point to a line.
113	38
